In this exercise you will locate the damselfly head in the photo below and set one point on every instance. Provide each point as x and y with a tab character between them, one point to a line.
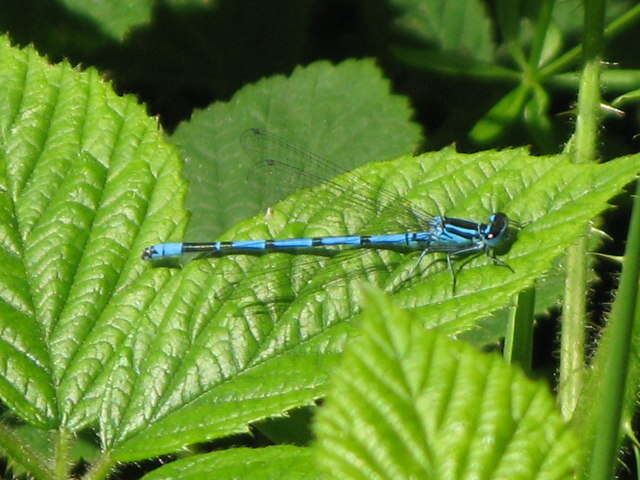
502	232
498	225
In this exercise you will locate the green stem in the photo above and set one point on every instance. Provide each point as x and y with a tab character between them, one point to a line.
542	27
509	17
588	120
585	150
610	396
101	468
518	345
573	333
615	28
62	458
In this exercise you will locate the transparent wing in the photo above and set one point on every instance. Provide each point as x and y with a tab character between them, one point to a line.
281	168
279	278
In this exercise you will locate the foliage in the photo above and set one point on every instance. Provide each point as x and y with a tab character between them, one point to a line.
409	403
107	359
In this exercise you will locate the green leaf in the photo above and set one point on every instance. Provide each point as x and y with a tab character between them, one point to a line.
501	116
294	428
117	18
282	462
81	169
159	359
606	408
114	17
462	26
409	403
627	98
231	341
509	19
344	112
568	15
23	455
41	445
191	3
538	122
612	80
454	64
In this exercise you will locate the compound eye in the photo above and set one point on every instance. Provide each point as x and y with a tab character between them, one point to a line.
499	224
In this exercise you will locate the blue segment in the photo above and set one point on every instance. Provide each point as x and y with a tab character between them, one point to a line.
398	239
348	240
248	245
293	243
406	225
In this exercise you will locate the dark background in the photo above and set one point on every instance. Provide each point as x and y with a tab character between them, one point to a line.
187	58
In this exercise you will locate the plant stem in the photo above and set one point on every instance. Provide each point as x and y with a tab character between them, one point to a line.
610	394
585	150
519	339
619	25
588	120
573	334
101	468
542	27
62	462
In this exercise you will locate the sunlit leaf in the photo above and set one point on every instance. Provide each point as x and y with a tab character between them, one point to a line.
410	403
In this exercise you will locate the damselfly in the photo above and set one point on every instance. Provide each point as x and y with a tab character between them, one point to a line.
408	227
